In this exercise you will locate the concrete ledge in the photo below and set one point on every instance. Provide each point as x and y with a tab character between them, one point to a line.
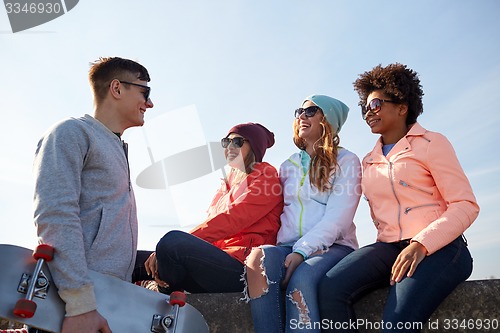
472	304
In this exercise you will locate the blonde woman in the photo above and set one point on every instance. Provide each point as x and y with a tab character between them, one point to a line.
321	191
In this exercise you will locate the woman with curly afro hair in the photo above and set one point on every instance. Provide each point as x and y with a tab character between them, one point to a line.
420	202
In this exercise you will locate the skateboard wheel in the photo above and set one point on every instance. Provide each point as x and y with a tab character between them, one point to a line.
44	251
177	298
25	308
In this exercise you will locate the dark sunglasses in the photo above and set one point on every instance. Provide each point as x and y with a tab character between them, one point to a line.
309	111
373	106
237	142
145	93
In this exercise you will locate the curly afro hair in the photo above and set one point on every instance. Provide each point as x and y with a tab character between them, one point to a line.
399	83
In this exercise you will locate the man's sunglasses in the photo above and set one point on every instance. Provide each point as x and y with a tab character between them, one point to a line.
373	106
145	93
237	142
309	111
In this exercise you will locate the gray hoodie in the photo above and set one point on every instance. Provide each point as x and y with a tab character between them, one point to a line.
84	206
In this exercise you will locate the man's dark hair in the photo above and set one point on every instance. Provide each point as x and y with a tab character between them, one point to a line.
105	70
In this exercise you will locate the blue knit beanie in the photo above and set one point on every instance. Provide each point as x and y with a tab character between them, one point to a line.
334	110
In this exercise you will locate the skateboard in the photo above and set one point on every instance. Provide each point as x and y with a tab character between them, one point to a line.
128	308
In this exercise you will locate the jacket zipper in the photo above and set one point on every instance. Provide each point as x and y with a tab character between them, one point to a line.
405	184
408	209
248	247
301	204
371	212
125	150
395	196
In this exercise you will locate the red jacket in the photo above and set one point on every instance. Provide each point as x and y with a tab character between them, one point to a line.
246	215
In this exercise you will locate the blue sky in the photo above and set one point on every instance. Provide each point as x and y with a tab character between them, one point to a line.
215	64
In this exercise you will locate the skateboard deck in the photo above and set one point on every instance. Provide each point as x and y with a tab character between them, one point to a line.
126	307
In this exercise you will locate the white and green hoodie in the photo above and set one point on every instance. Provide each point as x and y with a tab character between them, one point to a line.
312	220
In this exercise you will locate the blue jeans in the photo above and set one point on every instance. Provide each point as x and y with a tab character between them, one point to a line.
189	263
410	302
268	310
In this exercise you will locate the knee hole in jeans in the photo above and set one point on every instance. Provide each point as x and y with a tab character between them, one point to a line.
297	298
257	283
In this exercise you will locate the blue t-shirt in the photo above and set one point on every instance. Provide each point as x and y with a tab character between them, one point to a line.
387	148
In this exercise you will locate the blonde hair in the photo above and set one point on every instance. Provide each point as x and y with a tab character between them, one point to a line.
324	163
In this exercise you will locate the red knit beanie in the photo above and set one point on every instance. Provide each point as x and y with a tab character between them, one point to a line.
259	137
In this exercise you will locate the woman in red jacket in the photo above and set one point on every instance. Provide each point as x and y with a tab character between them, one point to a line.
420	201
244	213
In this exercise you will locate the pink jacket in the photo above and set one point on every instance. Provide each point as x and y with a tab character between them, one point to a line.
418	190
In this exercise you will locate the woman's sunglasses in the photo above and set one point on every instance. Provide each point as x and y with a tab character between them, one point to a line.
374	106
309	111
237	142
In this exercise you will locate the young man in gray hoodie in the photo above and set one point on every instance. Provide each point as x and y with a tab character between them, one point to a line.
84	205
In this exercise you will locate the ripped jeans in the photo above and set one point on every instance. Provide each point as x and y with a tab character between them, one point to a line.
296	308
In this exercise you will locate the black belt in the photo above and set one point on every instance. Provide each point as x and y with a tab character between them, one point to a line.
405	242
402	243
